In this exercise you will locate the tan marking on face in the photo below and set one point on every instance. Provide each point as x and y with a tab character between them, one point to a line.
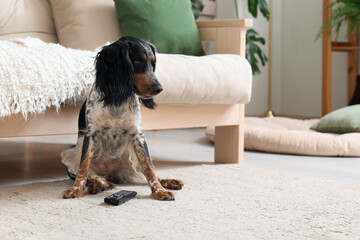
143	57
143	83
153	58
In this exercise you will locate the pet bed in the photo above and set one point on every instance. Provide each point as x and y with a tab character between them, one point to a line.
293	136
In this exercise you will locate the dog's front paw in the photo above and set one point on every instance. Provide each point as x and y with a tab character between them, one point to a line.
173	184
73	192
163	195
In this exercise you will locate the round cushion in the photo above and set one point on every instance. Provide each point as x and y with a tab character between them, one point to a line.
293	136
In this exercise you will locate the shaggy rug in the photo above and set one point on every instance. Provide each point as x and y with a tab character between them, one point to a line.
217	202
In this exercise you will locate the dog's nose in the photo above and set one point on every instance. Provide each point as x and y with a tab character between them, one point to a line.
158	89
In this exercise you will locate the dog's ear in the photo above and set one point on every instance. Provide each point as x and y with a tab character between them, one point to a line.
153	49
149	103
114	73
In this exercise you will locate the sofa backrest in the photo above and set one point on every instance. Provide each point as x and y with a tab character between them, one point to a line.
79	24
23	18
85	24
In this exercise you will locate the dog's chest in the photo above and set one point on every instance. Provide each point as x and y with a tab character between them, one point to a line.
114	129
105	119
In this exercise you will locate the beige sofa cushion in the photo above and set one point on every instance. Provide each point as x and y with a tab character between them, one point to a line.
87	30
212	79
26	18
62	74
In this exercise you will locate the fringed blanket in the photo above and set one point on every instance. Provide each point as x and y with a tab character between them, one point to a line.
35	75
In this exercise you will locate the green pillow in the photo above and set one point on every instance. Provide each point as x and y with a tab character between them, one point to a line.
343	120
168	24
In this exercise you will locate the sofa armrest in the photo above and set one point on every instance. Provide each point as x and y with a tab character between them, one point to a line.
229	35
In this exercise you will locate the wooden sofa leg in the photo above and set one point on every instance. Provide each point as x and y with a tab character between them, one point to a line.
229	142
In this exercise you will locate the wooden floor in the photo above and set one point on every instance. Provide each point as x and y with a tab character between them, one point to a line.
26	160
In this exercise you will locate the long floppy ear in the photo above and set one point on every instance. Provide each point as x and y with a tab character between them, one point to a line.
114	73
149	103
153	49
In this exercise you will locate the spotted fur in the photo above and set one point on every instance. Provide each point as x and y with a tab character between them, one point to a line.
111	147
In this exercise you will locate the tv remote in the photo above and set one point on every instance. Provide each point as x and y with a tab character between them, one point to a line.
120	197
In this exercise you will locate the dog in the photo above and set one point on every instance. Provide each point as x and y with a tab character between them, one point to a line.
111	147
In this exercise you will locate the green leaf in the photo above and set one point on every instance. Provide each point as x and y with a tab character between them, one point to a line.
254	52
264	9
252	7
342	11
251	32
258	39
354	23
197	6
251	35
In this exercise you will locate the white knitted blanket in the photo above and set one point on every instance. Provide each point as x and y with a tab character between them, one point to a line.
35	75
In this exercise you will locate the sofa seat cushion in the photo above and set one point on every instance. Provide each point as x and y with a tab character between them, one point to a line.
212	79
36	75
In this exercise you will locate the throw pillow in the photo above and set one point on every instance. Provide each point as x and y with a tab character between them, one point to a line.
170	25
85	24
343	120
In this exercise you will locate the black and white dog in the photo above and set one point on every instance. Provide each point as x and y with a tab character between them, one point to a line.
111	147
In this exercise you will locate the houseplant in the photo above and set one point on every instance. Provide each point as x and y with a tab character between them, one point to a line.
197	6
253	51
342	11
254	54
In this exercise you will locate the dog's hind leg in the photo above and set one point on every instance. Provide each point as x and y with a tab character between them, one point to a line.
98	184
173	184
77	189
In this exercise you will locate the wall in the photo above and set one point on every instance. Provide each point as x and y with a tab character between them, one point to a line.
300	75
226	10
296	70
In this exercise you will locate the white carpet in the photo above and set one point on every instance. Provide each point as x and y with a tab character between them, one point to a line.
217	202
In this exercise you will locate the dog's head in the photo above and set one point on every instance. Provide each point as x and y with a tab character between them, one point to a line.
127	67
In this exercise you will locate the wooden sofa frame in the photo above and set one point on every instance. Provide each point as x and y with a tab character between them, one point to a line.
228	120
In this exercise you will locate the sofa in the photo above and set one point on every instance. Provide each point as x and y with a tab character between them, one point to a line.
198	91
